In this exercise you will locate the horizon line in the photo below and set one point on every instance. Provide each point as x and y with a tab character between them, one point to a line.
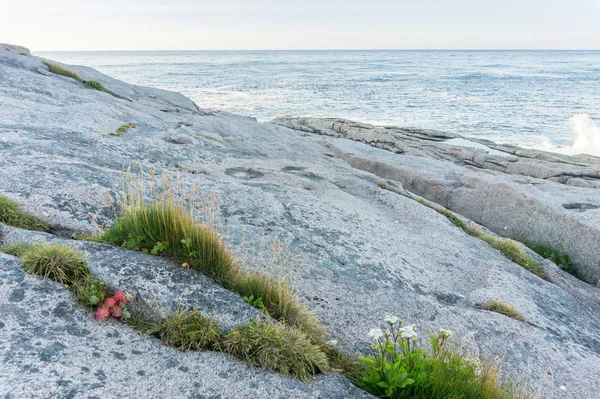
290	50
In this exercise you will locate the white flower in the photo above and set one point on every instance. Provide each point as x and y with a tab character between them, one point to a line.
408	333
391	320
376	333
475	363
445	333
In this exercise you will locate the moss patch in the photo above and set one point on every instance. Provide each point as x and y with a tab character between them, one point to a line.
123	129
94	85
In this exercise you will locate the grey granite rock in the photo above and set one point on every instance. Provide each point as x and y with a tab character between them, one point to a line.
366	252
51	348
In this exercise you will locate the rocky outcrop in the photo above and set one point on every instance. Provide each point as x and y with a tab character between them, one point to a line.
367	251
527	195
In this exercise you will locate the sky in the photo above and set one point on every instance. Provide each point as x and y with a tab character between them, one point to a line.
57	25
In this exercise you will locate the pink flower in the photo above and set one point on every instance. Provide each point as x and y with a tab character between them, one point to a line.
110	302
102	313
120	296
116	311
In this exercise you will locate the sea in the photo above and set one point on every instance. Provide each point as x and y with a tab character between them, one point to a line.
548	100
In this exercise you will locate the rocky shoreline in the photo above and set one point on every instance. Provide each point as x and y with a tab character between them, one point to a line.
347	196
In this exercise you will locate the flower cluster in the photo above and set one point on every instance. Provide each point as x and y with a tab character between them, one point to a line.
115	307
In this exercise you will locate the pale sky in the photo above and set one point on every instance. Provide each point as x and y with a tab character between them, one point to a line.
300	24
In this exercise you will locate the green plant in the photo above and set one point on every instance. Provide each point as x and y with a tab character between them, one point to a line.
451	216
187	330
514	252
143	226
59	70
276	347
561	259
122	129
509	249
15	249
159	247
257	303
23	53
400	369
503	308
92	84
59	263
11	214
280	302
89	291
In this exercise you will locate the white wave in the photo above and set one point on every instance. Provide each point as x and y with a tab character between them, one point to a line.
587	135
586	138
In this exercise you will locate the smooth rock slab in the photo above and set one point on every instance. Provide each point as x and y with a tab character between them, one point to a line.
51	348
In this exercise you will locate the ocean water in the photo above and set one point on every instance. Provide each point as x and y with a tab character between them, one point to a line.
538	99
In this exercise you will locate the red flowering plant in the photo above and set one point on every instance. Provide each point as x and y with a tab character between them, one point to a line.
115	307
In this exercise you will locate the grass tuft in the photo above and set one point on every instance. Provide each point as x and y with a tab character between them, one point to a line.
503	308
15	249
11	214
507	247
276	347
59	70
451	216
160	228
55	262
187	330
281	303
123	129
92	84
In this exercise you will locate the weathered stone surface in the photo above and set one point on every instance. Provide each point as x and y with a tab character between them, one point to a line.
366	252
443	172
520	207
51	348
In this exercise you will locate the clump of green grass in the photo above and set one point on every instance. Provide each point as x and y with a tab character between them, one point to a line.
11	214
276	347
507	247
59	70
510	249
92	84
64	265
23	53
514	252
503	308
163	228
451	216
15	249
59	263
561	259
187	330
280	302
123	129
